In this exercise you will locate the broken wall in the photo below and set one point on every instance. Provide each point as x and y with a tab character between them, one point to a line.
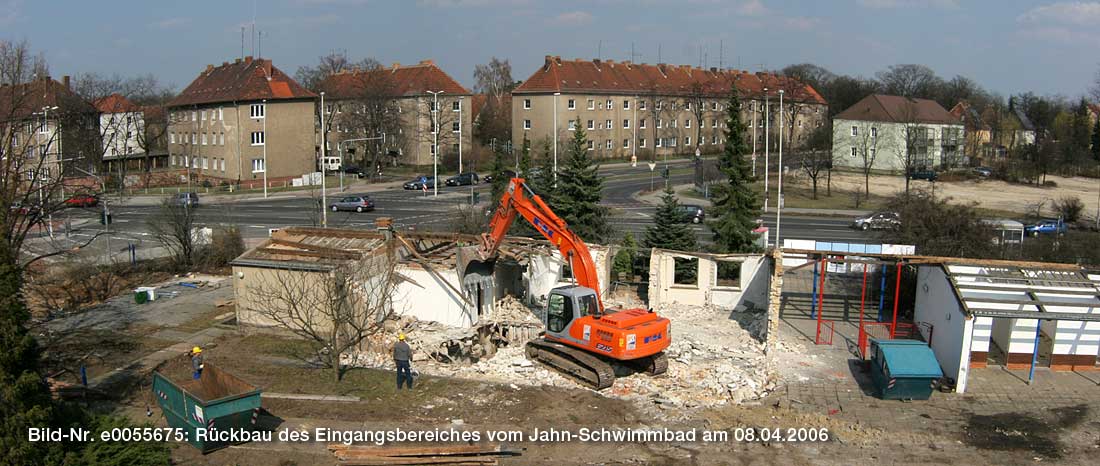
425	296
751	287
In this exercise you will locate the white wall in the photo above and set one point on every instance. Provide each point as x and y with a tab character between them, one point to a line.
430	299
1073	337
951	329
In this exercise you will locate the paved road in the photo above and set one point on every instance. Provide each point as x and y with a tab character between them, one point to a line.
414	209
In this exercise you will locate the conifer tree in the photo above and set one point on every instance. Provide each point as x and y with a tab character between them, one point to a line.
736	205
525	157
578	192
669	230
624	258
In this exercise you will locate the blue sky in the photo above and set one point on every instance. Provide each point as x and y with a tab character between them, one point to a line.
1007	45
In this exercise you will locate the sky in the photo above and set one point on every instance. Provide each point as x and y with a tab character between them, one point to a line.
1009	46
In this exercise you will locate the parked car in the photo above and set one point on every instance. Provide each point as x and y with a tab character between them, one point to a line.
420	182
19	208
359	203
353	170
1046	227
463	179
984	172
82	200
922	174
509	174
692	214
186	199
878	221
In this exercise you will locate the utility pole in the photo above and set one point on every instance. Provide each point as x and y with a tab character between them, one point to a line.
435	141
779	200
460	99
767	127
556	94
754	106
265	146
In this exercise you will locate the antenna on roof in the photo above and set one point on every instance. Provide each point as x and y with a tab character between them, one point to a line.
260	46
599	50
242	42
700	55
253	27
720	51
658	52
632	54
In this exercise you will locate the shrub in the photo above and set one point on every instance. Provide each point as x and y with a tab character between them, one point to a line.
1069	208
225	245
1050	184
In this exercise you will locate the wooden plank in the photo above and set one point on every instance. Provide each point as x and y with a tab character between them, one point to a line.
291	252
967	286
392	460
426	450
315	247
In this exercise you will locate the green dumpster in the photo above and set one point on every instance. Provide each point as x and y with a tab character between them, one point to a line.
903	369
218	400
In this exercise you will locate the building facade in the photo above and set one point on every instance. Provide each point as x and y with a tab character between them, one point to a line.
405	103
639	110
241	120
51	126
892	133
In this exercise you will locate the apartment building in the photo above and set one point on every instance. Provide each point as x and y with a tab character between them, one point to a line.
45	119
630	109
892	133
241	120
406	103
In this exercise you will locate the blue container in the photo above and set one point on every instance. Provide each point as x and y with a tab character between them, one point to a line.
903	369
217	400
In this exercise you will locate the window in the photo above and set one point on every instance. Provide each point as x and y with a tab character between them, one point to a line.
608	124
853	152
431	107
526	124
855	131
626	124
456	106
641	123
205	166
194	138
659	105
660	123
559	313
591	104
204	139
658	142
714	140
687	106
687	140
194	115
171	138
800	125
610	104
714	106
687	123
526	104
202	115
874	132
671	142
626	143
608	144
626	105
454	127
591	125
572	104
590	145
714	123
641	143
641	105
433	149
221	140
572	125
258	166
257	110
686	271
221	118
257	138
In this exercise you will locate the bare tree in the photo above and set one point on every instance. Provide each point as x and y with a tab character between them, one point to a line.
910	81
913	151
658	107
494	78
696	102
337	309
174	228
866	142
818	158
312	76
366	105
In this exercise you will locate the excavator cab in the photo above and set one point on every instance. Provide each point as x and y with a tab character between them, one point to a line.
566	304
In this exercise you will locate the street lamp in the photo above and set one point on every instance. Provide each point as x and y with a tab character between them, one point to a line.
435	141
556	94
264	101
754	106
324	162
767	128
779	200
460	99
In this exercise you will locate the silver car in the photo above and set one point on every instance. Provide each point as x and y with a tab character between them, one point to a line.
360	203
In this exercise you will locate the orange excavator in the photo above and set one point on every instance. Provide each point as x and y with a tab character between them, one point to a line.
582	338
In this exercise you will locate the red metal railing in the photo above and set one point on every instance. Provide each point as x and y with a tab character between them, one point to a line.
872	330
825	330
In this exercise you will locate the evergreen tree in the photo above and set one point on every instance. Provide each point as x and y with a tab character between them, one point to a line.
625	257
579	191
669	230
525	157
500	179
1096	141
542	182
735	203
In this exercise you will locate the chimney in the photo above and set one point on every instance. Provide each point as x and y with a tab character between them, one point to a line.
627	62
557	58
65	81
209	68
225	63
248	59
427	62
396	65
267	67
610	61
236	60
713	69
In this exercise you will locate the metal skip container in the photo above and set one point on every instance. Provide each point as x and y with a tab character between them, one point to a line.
903	369
217	400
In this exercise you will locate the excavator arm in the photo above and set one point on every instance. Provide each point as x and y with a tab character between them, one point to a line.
519	200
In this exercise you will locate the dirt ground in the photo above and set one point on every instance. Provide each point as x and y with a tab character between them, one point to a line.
989	194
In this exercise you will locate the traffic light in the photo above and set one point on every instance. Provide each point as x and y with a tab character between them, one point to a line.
664	173
104	218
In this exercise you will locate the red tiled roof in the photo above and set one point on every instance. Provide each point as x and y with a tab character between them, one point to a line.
115	103
407	80
608	76
479	101
243	80
897	109
23	100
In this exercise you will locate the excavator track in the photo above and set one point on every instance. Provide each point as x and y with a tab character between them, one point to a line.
591	370
653	365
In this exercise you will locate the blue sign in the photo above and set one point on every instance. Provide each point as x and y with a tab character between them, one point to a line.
654	337
543	227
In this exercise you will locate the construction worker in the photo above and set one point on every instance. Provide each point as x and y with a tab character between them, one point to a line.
402	354
196	362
